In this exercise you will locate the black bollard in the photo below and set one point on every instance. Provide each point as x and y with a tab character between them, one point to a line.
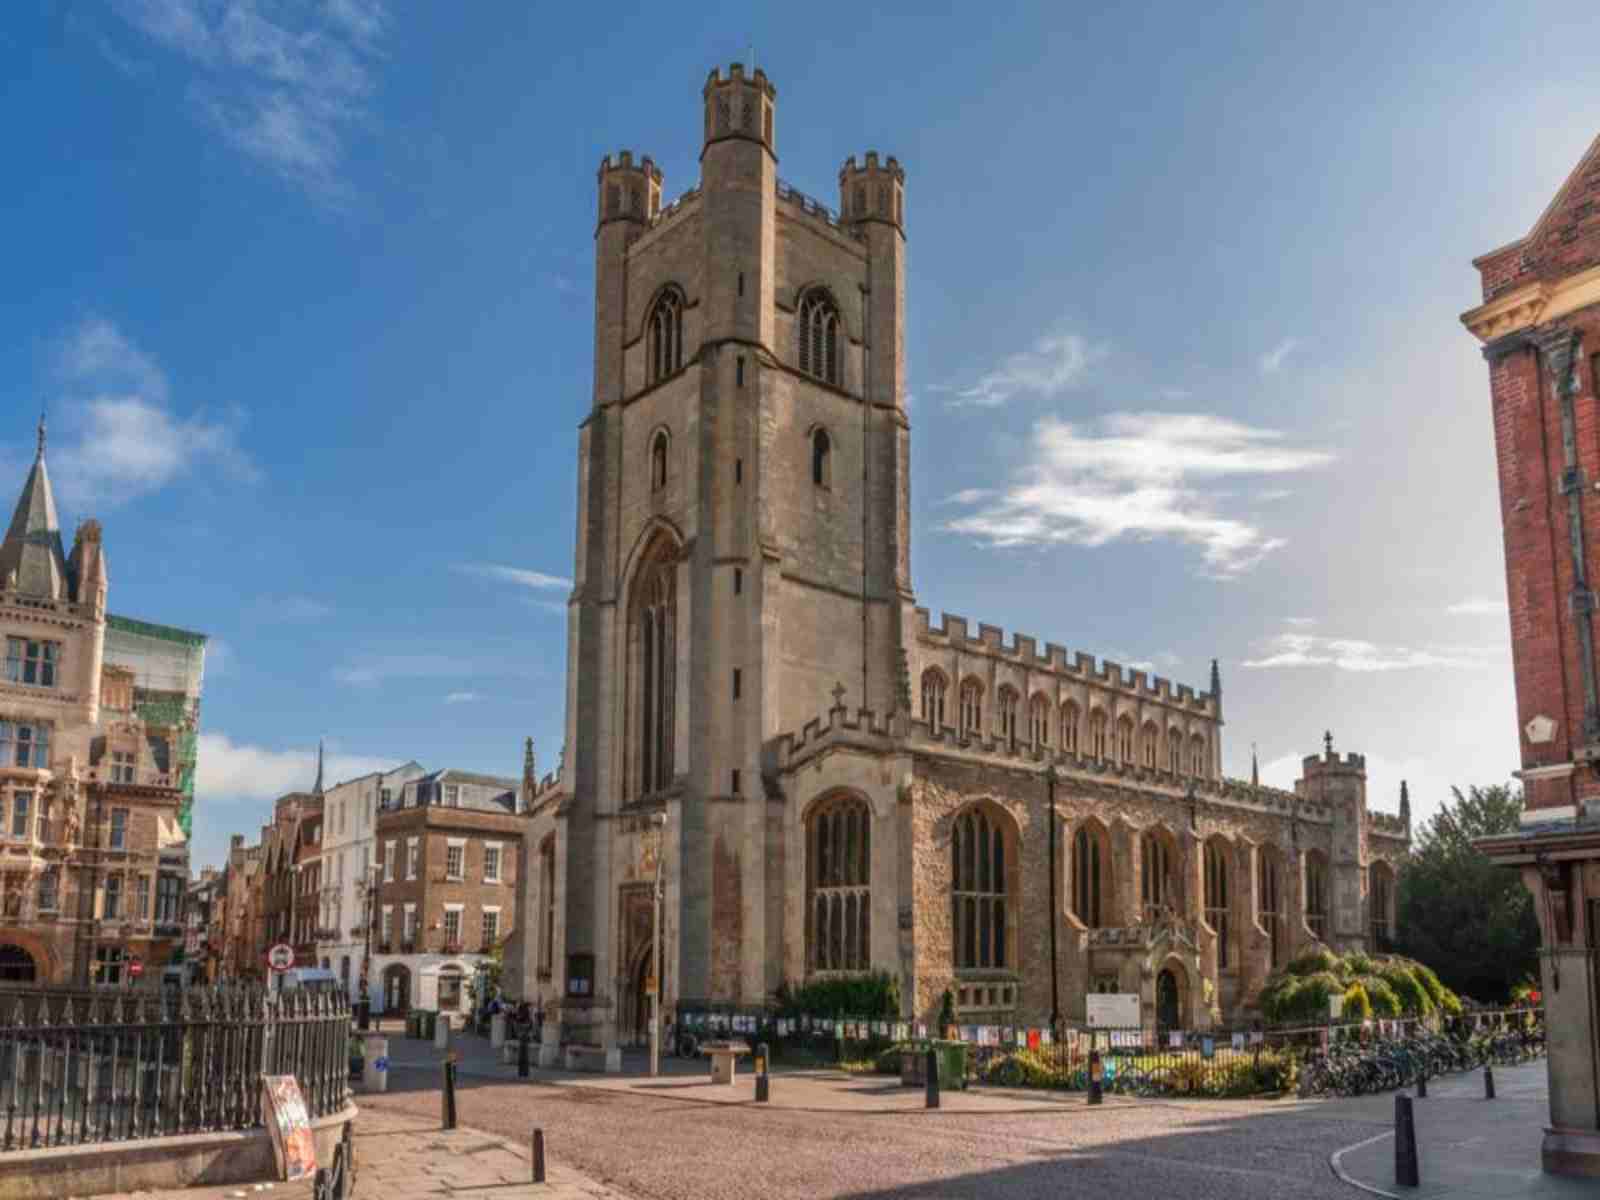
1488	1081
932	1070
1405	1144
447	1099
538	1155
1096	1096
763	1085
522	1055
1422	1084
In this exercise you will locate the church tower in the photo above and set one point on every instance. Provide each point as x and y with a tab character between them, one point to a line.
742	545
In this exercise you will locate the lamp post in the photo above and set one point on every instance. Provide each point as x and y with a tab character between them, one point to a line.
659	820
1055	985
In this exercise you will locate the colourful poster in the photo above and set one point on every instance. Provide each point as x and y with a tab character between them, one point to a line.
1175	1039
922	1029
1238	1041
1208	1047
1033	1039
290	1125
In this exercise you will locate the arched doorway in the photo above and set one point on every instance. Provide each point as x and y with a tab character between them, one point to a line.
16	965
1168	1001
396	988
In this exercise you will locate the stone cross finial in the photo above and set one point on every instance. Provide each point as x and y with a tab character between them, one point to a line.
1327	742
838	695
41	433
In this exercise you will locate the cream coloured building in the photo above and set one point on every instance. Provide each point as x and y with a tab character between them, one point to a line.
849	785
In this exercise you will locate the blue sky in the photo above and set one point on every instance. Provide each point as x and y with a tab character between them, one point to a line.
307	291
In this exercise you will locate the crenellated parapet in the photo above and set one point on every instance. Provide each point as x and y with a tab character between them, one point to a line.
628	191
1387	825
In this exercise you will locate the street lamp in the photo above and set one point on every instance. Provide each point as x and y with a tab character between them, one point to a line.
1055	983
659	820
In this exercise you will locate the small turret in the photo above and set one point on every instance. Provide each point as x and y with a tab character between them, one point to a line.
872	192
628	192
740	107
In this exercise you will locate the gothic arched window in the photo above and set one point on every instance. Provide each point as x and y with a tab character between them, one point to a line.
1069	727
981	856
1008	715
933	689
1149	745
1125	739
1197	757
1097	735
1271	901
1039	721
1380	901
658	462
1216	871
1317	893
547	904
971	707
652	658
665	342
821	458
838	885
1156	858
1091	874
819	337
1175	751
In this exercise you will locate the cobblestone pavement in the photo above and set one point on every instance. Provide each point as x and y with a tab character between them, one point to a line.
652	1149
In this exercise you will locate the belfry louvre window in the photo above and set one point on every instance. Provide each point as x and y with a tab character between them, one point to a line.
933	689
665	342
819	337
1216	869
31	663
979	918
838	878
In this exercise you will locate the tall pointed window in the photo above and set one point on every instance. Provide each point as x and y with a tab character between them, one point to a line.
1097	735
547	904
658	461
652	660
1039	721
1197	757
1008	716
933	689
979	876
1175	750
665	342
1317	893
1216	872
1091	874
838	884
1125	739
1271	871
971	707
1149	745
1156	858
1380	899
821	458
1069	727
819	337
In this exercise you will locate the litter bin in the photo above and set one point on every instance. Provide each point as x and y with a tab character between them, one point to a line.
413	1024
427	1021
363	1014
375	1075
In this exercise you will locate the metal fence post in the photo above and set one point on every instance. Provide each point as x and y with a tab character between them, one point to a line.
538	1155
1488	1081
447	1098
1406	1172
931	1084
522	1055
763	1084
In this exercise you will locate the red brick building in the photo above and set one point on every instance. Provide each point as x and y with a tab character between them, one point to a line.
1540	325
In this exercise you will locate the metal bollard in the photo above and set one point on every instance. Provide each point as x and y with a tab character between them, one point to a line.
522	1056
1488	1081
1406	1173
1096	1070
932	1081
1422	1084
538	1155
447	1099
763	1085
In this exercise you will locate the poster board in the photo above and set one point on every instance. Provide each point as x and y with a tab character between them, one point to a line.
284	1110
1112	1010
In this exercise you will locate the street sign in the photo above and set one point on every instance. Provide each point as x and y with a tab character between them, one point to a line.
136	968
281	957
1118	1010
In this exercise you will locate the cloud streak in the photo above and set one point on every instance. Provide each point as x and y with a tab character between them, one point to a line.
286	85
1272	361
1479	607
1360	655
1055	363
521	576
1141	477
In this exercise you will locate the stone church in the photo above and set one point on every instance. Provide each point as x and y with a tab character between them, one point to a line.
848	785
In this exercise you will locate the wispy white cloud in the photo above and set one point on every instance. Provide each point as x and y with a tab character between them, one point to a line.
127	441
1054	363
521	576
286	84
474	661
1479	607
241	770
461	697
1300	622
1272	361
1358	654
1142	476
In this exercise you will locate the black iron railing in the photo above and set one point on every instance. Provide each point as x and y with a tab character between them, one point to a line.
79	1068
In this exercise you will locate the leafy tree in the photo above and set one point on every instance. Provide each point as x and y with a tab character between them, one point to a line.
1472	921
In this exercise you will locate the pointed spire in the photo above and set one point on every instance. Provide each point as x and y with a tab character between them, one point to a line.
1216	680
316	789
1405	803
31	557
1255	768
530	766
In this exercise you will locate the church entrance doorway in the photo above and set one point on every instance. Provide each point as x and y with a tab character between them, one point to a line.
16	965
1167	1016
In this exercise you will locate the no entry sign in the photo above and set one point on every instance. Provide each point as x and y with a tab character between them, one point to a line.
281	957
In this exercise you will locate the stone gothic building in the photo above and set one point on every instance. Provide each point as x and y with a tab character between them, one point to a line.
848	786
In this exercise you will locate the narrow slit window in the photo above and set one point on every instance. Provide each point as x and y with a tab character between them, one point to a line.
738	580
821	455
738	681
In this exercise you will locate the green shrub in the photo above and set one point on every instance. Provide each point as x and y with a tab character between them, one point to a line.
1357	1005
1312	963
1414	1001
1381	996
874	997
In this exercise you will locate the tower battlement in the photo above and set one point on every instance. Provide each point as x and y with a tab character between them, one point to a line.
628	191
1333	762
739	105
873	191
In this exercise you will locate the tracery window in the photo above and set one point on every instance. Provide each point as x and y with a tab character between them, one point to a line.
838	881
1149	745
658	461
1175	751
1155	874
652	661
547	901
1125	739
1216	872
1272	903
1097	735
819	337
1069	727
821	458
1008	715
1091	874
665	341
1039	721
933	689
1197	756
1380	898
971	707
1317	894
978	873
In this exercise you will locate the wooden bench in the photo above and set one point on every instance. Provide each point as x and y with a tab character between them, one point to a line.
724	1055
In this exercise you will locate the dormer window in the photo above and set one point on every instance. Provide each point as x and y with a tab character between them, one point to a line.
31	663
121	766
